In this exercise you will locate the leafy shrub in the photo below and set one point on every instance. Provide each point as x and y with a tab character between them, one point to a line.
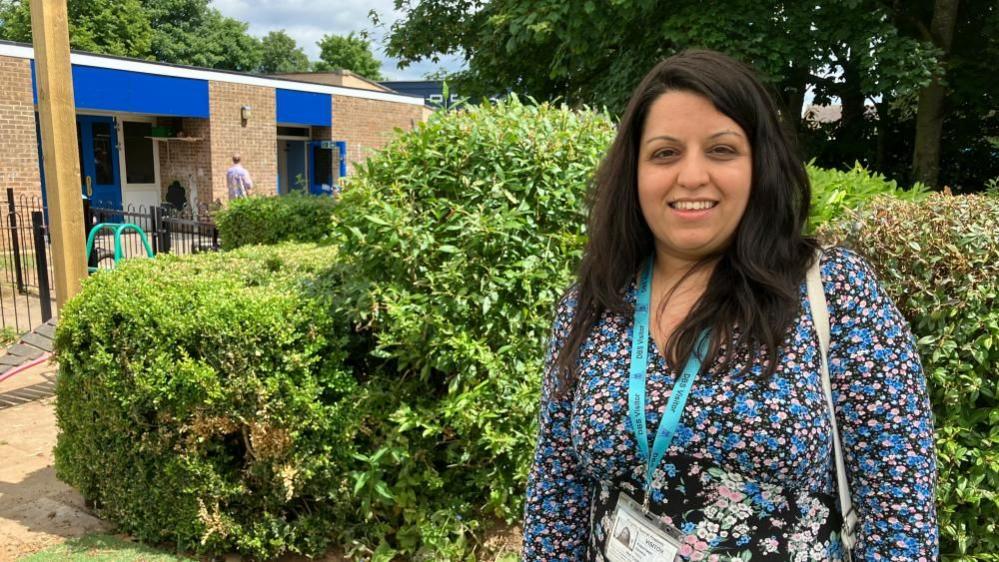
202	401
939	260
835	191
457	240
298	217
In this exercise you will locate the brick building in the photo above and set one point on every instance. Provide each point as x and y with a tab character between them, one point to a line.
145	126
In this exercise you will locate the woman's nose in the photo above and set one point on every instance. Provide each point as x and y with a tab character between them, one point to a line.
693	171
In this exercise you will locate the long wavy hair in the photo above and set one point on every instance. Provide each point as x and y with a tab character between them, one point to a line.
752	295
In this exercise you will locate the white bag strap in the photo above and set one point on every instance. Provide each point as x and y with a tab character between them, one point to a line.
820	316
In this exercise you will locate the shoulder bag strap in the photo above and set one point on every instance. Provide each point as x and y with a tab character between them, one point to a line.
820	316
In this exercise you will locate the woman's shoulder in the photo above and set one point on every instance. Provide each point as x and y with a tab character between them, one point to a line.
849	279
842	265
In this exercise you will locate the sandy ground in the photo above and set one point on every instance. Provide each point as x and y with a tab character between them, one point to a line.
36	509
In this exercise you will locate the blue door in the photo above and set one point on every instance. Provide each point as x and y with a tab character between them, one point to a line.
320	168
99	173
327	163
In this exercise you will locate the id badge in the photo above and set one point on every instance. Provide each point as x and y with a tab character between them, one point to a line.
637	536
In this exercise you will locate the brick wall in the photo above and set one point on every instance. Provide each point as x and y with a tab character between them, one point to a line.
18	143
369	124
188	162
255	140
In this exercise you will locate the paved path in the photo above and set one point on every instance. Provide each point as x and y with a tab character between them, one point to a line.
31	347
36	509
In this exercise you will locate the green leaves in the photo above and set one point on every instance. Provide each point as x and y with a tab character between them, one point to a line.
938	257
348	52
456	240
204	401
296	217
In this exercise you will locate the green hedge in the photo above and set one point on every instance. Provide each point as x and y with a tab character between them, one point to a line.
457	240
298	217
201	401
939	260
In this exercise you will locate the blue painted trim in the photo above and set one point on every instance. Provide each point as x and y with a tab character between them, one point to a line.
106	89
303	108
341	147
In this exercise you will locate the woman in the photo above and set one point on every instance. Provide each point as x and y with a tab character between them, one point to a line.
696	237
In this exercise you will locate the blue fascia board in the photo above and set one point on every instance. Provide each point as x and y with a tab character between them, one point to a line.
303	108
107	89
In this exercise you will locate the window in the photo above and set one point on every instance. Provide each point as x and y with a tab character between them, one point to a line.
436	98
139	165
285	131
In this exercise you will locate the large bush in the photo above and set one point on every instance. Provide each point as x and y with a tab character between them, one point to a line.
458	239
939	260
201	401
297	217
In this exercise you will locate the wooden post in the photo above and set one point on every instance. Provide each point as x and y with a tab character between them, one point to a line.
57	115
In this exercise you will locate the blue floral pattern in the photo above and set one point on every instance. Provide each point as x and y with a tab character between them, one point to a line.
750	473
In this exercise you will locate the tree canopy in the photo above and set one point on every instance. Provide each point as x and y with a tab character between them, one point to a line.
114	27
281	54
177	31
874	56
348	52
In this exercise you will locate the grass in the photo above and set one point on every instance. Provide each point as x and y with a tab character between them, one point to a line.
104	548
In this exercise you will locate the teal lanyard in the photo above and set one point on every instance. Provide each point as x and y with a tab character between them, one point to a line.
636	382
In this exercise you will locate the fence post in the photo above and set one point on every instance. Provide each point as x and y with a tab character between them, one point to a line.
88	218
42	263
154	225
12	217
165	233
88	223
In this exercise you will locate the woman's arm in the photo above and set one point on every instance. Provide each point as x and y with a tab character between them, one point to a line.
557	514
883	413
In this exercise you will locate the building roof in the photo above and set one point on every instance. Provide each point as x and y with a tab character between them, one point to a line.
341	77
25	51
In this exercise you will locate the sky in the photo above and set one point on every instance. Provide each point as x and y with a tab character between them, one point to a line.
308	20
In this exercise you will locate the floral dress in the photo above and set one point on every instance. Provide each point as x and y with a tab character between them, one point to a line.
750	473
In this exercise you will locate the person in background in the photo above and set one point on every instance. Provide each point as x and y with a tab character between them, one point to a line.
682	390
238	179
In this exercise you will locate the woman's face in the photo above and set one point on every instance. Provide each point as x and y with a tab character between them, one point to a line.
694	176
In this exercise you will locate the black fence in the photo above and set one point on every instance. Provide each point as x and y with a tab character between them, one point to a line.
27	296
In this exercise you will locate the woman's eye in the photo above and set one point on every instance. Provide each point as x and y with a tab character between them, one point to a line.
664	153
723	150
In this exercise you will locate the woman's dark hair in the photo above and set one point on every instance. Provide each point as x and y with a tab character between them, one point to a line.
754	286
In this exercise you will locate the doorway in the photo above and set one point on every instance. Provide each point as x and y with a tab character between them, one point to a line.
292	166
100	179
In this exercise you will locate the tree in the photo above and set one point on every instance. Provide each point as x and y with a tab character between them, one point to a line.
930	115
113	27
176	31
348	52
281	54
859	53
192	32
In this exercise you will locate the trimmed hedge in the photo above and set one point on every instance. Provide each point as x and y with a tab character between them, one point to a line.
457	241
939	260
296	217
202	401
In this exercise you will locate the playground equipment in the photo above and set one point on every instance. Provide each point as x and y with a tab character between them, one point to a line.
117	228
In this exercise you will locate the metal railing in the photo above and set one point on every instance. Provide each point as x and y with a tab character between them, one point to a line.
27	297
